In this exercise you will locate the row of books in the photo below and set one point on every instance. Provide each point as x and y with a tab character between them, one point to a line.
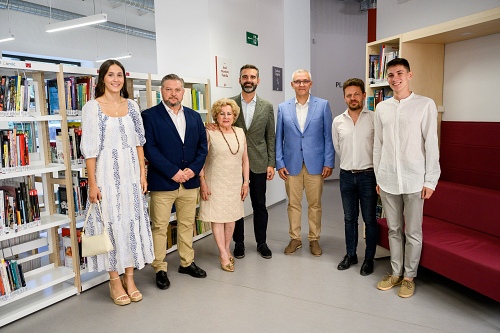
75	139
200	227
192	98
15	93
77	92
80	193
11	279
378	62
19	208
14	150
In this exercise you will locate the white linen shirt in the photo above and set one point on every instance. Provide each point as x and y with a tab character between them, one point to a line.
301	111
405	151
354	142
178	119
248	110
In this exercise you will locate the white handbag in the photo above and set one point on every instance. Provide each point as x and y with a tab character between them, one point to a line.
96	244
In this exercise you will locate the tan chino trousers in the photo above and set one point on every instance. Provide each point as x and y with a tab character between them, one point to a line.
160	210
313	186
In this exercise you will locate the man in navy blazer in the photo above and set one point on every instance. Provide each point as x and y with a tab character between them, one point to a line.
176	148
304	157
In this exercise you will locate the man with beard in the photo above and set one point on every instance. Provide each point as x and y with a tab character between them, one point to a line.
353	133
257	121
176	148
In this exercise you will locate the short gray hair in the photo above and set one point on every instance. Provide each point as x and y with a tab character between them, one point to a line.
302	71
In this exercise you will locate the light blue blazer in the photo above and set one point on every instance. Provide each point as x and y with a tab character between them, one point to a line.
314	146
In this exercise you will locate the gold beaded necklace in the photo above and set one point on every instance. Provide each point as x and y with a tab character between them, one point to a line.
228	142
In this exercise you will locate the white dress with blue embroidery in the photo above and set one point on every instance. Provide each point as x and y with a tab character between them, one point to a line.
113	141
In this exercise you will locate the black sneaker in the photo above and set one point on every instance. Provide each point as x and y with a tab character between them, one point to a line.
239	250
264	251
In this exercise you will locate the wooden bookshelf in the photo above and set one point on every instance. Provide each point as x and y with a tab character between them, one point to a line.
425	48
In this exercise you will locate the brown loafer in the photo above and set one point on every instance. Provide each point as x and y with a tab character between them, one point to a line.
315	248
293	246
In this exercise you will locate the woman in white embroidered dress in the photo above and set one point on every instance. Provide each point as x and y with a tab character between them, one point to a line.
225	177
112	140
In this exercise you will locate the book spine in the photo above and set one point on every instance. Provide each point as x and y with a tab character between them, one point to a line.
5	277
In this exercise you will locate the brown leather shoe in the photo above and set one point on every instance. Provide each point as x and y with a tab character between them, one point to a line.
293	246
315	248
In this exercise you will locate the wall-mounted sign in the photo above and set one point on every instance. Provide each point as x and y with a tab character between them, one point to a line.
223	72
252	39
277	79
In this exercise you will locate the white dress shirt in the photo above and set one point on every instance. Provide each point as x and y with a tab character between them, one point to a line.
178	119
354	142
248	110
405	151
301	110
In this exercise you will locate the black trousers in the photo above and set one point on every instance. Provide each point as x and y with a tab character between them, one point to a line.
258	183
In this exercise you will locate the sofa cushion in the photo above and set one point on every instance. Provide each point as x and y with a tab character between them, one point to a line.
466	256
467	206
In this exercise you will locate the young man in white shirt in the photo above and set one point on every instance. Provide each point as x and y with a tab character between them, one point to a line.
406	162
352	133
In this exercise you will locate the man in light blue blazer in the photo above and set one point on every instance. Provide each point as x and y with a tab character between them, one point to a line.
304	157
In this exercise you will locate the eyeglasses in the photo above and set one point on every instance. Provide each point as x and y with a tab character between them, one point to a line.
299	82
355	95
222	114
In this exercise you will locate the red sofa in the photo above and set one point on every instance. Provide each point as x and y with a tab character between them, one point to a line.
461	236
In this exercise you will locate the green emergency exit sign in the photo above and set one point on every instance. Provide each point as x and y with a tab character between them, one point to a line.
252	39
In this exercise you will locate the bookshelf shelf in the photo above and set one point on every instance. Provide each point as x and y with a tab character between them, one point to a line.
37	301
42	280
34	170
46	222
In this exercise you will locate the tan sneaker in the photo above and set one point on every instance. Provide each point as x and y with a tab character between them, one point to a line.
315	248
407	289
389	281
293	246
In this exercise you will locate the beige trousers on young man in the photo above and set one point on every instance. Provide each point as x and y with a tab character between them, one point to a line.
313	185
160	208
404	213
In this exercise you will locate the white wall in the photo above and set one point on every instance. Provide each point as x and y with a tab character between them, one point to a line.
339	32
220	27
471	73
86	43
297	42
394	17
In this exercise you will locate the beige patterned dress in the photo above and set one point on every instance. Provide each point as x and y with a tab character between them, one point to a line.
223	174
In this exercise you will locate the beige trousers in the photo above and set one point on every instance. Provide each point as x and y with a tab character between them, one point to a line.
160	210
313	186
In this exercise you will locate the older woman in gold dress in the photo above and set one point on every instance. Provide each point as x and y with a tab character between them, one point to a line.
224	178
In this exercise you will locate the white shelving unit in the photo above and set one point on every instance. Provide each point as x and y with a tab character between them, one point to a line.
47	284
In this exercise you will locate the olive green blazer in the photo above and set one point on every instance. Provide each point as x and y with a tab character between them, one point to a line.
261	135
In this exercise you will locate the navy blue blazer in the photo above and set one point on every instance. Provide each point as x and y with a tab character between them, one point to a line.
165	151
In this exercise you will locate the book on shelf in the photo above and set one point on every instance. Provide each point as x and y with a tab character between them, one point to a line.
62	197
374	66
171	234
68	251
186	99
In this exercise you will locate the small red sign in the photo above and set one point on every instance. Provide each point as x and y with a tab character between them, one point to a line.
28	65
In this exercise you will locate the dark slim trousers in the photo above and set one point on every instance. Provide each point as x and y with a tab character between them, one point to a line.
258	183
359	190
